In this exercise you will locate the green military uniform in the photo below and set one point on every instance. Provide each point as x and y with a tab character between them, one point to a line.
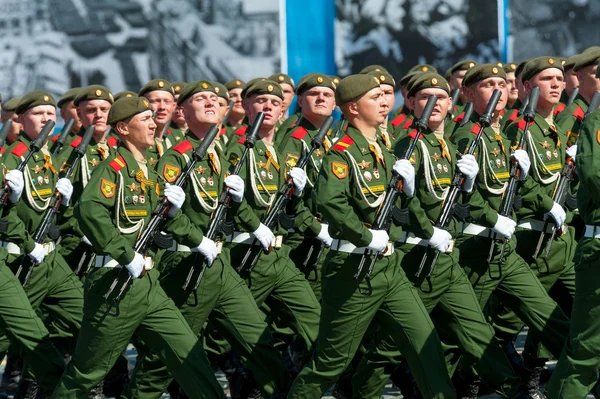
577	368
287	125
222	293
112	211
348	191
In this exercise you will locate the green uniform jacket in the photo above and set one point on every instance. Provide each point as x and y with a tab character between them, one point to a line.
569	120
588	170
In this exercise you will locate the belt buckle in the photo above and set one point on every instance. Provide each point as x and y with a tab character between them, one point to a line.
219	246
149	263
389	249
450	247
277	242
47	247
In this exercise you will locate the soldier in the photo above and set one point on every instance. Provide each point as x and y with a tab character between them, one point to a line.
224	130
125	93
577	368
388	85
349	189
511	85
512	115
161	96
112	211
287	85
455	75
8	113
404	114
68	109
223	295
178	125
546	145
234	87
571	81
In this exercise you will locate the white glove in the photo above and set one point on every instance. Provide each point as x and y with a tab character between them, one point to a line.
405	169
264	235
15	181
505	226
558	214
379	241
572	151
440	239
208	248
176	197
38	254
468	167
85	239
324	236
299	177
236	187
136	266
65	188
524	162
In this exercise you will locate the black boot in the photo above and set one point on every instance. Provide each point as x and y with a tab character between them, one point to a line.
467	384
241	382
343	386
516	360
28	389
11	376
404	380
530	389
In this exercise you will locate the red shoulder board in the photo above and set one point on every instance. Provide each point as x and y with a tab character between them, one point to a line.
522	123
223	130
118	163
475	128
76	141
513	115
559	109
112	141
459	118
413	134
241	131
344	143
20	149
398	120
408	124
502	112
242	140
2	150
169	131
54	138
578	113
183	147
299	133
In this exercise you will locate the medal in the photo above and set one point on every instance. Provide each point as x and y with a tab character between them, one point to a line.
376	173
496	152
128	200
203	181
498	163
47	179
37	169
211	182
94	162
364	164
555	153
132	187
261	164
142	199
544	144
270	175
40	180
503	162
263	174
135	199
200	169
368	176
548	155
445	167
439	168
436	157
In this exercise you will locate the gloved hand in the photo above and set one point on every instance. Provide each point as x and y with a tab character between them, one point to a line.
440	239
38	254
136	266
236	187
15	181
379	241
324	236
65	188
405	169
558	214
505	226
208	248
299	177
524	162
572	151
85	239
468	166
176	196
264	235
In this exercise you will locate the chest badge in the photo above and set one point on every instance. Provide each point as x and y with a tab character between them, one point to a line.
436	157
544	144
364	164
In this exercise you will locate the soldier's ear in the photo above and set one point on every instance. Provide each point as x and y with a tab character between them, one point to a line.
527	86
411	102
121	128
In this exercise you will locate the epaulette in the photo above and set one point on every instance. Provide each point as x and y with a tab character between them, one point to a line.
76	141
399	119
242	140
54	138
459	118
413	134
408	124
183	147
19	149
559	109
223	130
241	131
112	141
169	131
118	163
300	133
502	112
513	116
578	113
522	123
343	143
475	128
2	150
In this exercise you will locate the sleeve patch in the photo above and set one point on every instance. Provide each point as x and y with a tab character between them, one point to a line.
340	170
107	188
291	160
234	158
171	172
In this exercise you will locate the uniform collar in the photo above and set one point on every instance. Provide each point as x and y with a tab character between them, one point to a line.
361	141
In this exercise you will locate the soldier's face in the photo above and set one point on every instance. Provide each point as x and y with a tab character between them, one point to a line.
372	107
236	96
288	95
162	102
34	119
481	92
441	108
178	116
15	128
455	82
202	109
571	80
69	111
588	82
551	84
388	92
511	87
318	101
94	112
268	104
223	108
139	131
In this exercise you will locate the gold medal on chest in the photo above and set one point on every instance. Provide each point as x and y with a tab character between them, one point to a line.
364	164
436	157
200	169
94	162
132	187
496	152
544	144
368	176
376	173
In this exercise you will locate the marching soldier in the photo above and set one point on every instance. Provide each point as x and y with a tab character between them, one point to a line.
161	97
571	81
68	109
224	130
349	189
125	93
8	113
287	86
112	211
178	125
512	115
388	85
237	115
455	75
511	85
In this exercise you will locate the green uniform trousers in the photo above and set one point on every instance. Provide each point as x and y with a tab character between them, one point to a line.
557	275
577	368
145	310
300	252
225	300
450	300
347	313
27	332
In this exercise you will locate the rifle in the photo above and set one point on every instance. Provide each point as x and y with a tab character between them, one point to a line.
4	132
455	95
383	219
159	217
284	194
451	201
62	138
510	194
35	146
217	224
574	94
47	226
562	188
468	112
340	127
523	106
